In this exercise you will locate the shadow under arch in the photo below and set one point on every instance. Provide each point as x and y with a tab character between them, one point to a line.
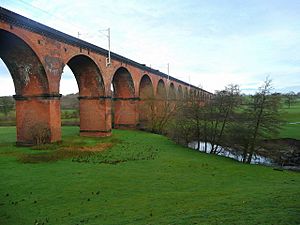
33	100
88	76
146	88
180	92
124	107
172	92
186	93
93	104
146	104
26	69
161	92
161	107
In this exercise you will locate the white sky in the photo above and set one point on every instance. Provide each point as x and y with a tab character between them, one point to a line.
209	43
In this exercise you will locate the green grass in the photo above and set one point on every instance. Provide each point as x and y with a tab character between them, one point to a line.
68	111
175	186
290	115
290	131
70	119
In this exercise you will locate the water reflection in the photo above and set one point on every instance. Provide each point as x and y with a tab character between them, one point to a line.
256	159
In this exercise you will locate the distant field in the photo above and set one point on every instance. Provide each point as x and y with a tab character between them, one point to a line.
65	113
68	110
290	131
291	115
140	178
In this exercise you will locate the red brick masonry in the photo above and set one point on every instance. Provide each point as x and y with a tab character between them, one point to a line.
36	55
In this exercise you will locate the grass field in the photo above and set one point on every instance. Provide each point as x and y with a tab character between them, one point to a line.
141	178
291	115
290	131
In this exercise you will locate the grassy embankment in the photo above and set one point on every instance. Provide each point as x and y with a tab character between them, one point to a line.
140	178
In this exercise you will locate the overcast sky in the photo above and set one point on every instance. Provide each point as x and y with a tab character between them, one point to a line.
209	43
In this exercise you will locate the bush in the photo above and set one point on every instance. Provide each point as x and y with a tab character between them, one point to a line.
40	134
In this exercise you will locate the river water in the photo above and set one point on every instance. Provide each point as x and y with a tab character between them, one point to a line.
256	159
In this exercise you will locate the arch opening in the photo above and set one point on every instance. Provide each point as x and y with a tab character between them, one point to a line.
123	85
26	69
172	92
146	104
180	92
90	110
192	93
186	93
146	88
124	107
69	104
161	90
33	100
202	95
7	102
88	76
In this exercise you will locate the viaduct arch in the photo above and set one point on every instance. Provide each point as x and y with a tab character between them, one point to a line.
146	100
36	55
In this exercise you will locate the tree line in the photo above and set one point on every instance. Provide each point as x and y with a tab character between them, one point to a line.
228	120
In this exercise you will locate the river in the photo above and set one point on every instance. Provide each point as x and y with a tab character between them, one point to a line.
256	159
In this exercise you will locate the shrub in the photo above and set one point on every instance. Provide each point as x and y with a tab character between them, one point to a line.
40	134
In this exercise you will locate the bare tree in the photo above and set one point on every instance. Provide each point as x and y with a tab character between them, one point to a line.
223	121
264	112
221	113
196	111
259	120
156	112
182	127
190	121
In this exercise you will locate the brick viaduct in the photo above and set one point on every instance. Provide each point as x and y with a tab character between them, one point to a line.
36	55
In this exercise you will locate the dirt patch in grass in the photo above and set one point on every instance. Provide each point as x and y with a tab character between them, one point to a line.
13	154
64	152
97	148
109	151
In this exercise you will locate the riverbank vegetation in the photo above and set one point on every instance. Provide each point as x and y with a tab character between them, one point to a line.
266	123
245	126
